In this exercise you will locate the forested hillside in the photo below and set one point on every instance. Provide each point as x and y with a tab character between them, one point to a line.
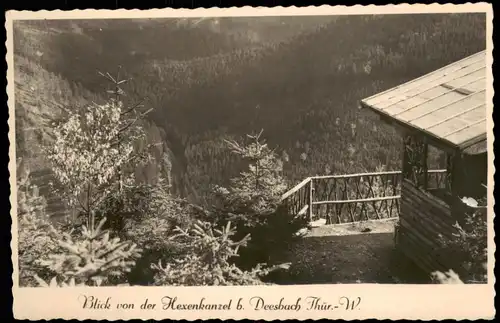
213	79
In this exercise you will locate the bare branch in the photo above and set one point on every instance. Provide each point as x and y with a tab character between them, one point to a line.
260	133
145	113
135	120
81	205
107	76
111	78
128	125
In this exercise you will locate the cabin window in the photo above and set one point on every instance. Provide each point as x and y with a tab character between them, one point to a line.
427	167
440	169
437	169
415	160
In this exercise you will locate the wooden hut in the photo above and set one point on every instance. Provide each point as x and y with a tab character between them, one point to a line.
442	117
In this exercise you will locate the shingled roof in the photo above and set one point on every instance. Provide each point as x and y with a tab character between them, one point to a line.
448	104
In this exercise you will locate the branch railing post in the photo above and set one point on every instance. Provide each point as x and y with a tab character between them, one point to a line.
311	199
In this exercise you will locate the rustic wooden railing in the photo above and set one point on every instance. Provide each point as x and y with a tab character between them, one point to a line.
353	197
298	200
357	197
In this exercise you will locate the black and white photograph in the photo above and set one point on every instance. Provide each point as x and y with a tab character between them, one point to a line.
272	150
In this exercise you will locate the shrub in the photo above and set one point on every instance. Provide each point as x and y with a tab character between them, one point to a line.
449	277
252	202
93	154
34	236
35	244
153	231
88	258
133	204
207	261
469	244
92	259
54	283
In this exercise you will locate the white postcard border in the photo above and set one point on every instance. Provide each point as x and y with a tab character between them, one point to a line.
424	302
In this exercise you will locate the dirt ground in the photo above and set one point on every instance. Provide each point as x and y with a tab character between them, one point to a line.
347	254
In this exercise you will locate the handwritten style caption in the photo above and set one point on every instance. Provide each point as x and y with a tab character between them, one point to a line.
255	303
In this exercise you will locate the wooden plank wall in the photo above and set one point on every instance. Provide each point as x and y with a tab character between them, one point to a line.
423	218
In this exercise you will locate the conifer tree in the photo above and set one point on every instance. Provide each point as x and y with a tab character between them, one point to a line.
258	189
92	259
253	201
207	260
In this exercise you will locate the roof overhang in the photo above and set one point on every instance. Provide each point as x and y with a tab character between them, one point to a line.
477	145
447	107
407	128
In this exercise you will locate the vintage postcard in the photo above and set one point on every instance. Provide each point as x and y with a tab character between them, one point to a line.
252	163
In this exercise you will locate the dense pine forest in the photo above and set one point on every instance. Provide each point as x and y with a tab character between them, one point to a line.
157	151
214	79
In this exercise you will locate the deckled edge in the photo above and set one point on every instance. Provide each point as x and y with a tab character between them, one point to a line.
402	8
490	37
9	61
37	14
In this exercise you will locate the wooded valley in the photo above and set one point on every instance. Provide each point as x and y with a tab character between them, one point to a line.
297	78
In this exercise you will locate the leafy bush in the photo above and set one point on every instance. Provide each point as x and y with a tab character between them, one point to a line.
93	157
207	261
94	153
253	200
469	244
133	204
88	258
449	277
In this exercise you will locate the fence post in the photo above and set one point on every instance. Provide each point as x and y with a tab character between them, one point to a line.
310	208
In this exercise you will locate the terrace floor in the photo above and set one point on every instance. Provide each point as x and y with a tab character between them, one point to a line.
348	254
